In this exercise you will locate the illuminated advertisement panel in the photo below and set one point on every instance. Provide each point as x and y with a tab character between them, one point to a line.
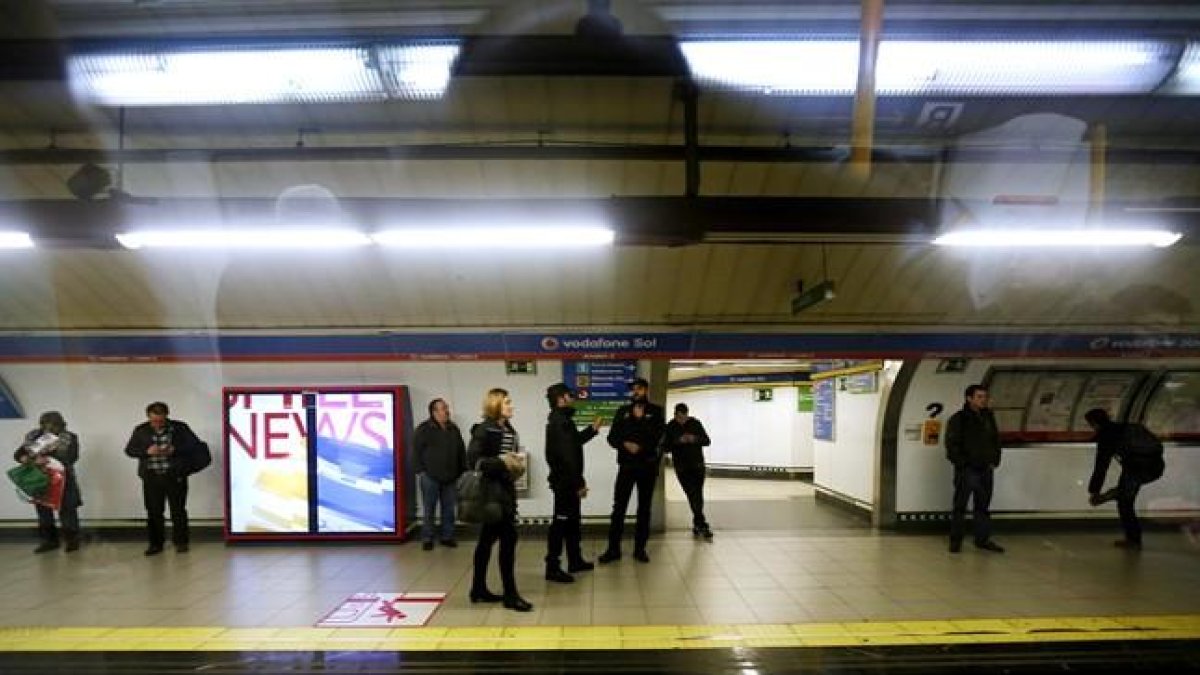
356	462
266	435
318	462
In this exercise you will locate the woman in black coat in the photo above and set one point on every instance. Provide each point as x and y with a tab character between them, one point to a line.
493	444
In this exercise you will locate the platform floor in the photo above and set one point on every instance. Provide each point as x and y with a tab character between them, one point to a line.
784	572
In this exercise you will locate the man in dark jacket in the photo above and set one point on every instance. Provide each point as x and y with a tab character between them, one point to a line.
1113	439
973	447
686	440
564	454
439	458
65	449
635	434
165	450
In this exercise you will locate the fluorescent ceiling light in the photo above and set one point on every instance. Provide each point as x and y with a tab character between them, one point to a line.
417	71
11	239
567	236
266	238
1077	238
1186	79
264	75
911	67
226	76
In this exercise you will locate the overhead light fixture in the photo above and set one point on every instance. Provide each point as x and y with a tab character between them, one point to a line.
918	67
415	72
208	75
13	239
1186	80
568	236
265	238
1076	238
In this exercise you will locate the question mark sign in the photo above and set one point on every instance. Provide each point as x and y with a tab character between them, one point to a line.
934	409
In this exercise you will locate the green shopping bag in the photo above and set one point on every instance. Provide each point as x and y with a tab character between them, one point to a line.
30	480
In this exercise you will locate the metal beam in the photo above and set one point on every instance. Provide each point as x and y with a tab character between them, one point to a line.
1098	182
691	136
551	152
571	56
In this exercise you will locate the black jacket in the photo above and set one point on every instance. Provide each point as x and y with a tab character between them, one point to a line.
564	449
182	437
646	432
972	439
439	451
67	452
1112	440
484	451
686	455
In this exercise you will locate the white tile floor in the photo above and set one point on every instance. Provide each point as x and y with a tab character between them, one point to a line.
758	576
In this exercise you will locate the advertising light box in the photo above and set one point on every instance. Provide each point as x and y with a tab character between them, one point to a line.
319	462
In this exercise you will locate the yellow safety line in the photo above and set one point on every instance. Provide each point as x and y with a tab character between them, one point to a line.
549	638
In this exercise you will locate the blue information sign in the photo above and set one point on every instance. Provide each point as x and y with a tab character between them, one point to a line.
824	409
601	386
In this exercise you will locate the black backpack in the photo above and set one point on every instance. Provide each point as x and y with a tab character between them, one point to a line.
1143	453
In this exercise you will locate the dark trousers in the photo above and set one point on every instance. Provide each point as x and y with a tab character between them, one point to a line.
159	491
691	479
1127	492
433	494
565	529
506	532
976	484
644	476
68	515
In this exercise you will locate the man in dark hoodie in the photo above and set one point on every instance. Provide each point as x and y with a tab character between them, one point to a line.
686	440
564	454
973	447
439	458
635	434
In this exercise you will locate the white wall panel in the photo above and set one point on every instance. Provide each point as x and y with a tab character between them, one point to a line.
1047	479
103	402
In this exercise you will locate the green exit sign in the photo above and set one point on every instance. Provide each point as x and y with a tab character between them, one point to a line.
520	367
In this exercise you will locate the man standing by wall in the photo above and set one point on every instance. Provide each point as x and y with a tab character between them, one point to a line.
973	447
439	458
686	440
164	448
564	454
636	431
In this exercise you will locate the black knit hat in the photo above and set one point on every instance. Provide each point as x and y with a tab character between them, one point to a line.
554	391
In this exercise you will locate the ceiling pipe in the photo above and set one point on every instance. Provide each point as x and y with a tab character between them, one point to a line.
552	152
862	137
1098	174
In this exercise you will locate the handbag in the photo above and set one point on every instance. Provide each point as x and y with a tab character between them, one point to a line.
199	460
476	499
52	498
30	480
